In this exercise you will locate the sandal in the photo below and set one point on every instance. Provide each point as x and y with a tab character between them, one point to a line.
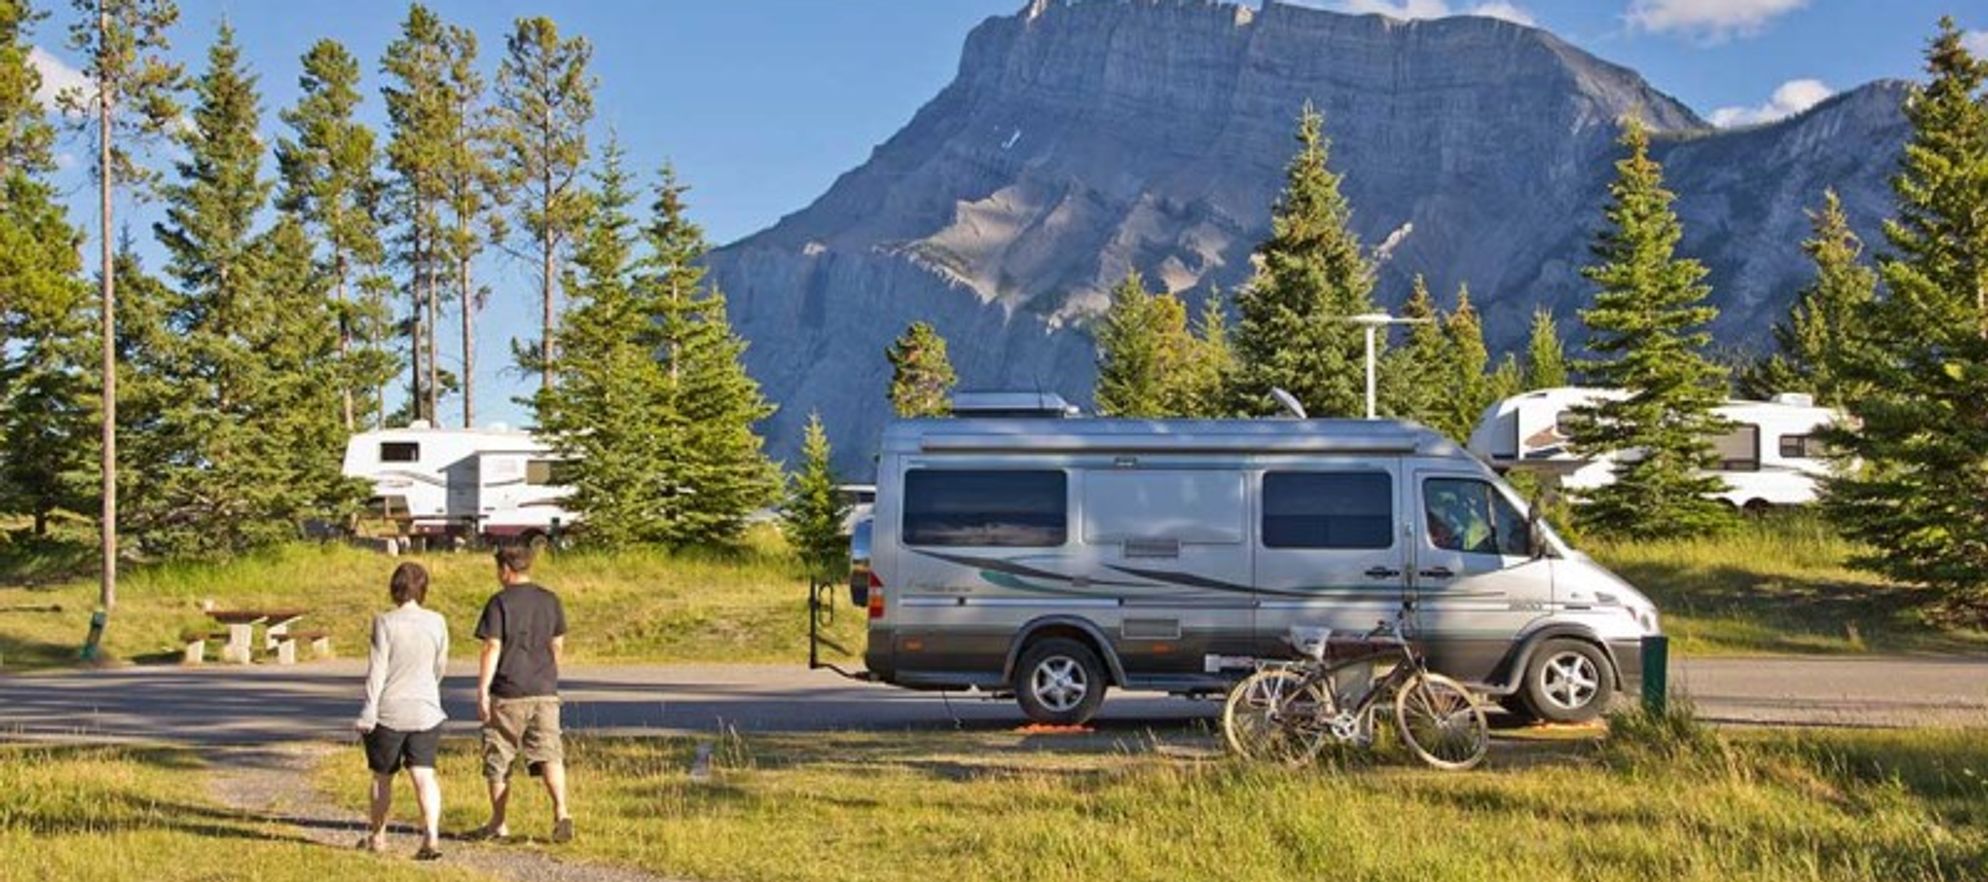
485	834
370	845
428	853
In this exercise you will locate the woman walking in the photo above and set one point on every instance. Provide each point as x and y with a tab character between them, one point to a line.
402	719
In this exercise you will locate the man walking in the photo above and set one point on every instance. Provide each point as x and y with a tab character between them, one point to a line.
517	690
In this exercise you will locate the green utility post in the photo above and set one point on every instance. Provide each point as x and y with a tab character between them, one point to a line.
1656	674
94	642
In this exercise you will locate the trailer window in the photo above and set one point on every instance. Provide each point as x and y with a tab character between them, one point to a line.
1468	515
1739	449
400	451
1801	447
1345	510
991	508
548	472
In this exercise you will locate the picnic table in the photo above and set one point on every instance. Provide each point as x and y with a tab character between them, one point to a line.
279	635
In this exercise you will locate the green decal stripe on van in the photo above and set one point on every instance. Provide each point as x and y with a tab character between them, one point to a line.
1015	569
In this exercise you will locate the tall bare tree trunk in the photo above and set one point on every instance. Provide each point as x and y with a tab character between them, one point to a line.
414	395
107	591
434	371
545	266
468	295
345	349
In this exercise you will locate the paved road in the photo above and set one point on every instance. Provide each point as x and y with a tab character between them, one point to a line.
223	705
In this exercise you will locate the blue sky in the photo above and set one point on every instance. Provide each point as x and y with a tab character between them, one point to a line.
762	103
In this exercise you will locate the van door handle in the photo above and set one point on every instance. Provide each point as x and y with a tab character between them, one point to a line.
1436	573
1382	573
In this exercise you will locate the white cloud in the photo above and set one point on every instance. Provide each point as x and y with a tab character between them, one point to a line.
1710	20
56	75
1792	97
1976	43
1413	9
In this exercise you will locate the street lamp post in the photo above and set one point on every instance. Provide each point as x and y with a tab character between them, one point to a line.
1373	322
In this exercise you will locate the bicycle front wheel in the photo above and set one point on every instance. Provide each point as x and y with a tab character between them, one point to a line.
1274	714
1441	723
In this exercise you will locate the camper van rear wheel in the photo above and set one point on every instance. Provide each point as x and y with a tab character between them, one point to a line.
1568	681
1059	682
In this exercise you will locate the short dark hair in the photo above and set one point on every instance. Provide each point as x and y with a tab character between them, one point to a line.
410	582
515	556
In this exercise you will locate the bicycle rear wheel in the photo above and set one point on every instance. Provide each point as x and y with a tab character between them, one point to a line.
1441	723
1275	714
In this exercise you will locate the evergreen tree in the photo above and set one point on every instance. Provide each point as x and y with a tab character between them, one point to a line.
1506	380
1916	444
1546	358
545	99
726	474
1312	277
1821	325
921	376
148	352
613	413
812	518
1646	330
1211	361
1467	388
474	192
416	64
1144	354
327	169
25	135
130	100
1415	376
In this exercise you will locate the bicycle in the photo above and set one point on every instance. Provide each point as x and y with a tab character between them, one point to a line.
1289	710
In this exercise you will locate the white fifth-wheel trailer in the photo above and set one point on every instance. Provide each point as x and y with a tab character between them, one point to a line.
1770	458
491	483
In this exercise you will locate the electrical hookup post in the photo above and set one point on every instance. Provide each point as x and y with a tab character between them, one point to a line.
93	644
821	615
1656	675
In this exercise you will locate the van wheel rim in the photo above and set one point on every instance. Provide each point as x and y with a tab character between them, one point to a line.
1059	683
1569	680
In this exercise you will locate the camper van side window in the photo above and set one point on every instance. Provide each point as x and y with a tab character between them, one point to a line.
400	451
1346	510
1467	515
985	508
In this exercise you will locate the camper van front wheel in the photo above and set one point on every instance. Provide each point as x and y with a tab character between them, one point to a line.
1568	681
1059	682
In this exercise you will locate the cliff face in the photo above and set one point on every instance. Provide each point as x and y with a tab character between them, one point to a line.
1084	138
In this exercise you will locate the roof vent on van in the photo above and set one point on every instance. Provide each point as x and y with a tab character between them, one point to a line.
1012	405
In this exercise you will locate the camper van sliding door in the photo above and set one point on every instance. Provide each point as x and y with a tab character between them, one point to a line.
1170	544
1329	548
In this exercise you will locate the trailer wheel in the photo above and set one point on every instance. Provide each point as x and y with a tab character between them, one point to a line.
1059	682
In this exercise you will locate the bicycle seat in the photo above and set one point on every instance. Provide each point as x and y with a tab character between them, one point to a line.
1309	640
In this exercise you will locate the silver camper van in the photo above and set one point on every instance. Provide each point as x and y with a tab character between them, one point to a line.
1052	558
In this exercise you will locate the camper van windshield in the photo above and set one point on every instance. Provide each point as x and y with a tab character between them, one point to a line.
1328	510
986	508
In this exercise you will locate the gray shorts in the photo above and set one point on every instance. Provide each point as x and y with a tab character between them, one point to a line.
528	726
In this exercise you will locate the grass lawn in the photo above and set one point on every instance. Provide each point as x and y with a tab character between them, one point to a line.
1778	585
81	814
962	807
740	604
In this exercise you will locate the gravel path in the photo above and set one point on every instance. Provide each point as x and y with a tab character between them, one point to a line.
273	784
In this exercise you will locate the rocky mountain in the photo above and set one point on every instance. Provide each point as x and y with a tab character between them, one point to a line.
1084	138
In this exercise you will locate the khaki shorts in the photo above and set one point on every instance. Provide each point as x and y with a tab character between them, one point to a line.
521	725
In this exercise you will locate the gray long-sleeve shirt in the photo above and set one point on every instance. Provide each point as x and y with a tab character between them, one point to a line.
404	672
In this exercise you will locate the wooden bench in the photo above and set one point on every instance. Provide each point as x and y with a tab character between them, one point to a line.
287	640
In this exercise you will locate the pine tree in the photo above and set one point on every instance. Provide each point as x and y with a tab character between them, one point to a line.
1646	330
1415	376
1916	445
131	100
1546	358
474	193
327	170
921	376
44	307
726	475
812	518
613	413
1144	354
545	99
1211	361
1313	276
1821	325
1466	388
416	64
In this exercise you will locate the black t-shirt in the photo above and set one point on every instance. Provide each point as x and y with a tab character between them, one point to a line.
526	617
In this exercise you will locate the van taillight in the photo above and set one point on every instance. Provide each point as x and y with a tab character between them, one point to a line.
876	596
